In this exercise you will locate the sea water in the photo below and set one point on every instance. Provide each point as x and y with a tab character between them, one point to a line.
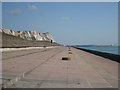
108	49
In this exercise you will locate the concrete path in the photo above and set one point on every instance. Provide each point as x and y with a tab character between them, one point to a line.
43	68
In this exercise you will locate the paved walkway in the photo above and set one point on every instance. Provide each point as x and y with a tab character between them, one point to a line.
43	68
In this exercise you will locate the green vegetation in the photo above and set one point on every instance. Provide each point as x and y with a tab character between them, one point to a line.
4	35
13	41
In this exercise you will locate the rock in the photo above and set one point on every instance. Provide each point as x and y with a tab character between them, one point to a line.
29	35
8	31
49	37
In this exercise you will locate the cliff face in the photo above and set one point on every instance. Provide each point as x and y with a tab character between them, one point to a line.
29	35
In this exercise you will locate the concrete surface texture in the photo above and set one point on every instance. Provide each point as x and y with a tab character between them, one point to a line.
44	68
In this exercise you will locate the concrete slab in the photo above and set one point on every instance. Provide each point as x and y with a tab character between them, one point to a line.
47	70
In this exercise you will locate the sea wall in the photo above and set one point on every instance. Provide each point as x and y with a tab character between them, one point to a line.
110	56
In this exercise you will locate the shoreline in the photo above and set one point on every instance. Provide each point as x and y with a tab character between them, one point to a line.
113	57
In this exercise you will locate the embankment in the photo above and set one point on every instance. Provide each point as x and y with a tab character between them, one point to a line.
110	56
10	41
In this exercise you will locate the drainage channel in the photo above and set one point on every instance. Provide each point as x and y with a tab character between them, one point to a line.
67	57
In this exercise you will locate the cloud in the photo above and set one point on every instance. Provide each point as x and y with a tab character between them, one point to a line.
16	11
32	7
65	18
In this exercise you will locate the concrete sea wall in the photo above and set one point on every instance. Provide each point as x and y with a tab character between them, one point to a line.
110	56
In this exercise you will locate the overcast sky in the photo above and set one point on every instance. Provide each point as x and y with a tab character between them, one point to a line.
69	23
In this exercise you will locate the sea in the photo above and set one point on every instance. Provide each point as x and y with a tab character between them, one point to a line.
107	49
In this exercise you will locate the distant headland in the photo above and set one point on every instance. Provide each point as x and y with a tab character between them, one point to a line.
11	38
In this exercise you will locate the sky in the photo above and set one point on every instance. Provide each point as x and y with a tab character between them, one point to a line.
0	14
70	23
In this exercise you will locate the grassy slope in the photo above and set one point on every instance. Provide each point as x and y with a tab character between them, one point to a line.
13	41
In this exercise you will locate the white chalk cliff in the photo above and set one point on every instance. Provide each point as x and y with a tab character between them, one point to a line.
29	35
